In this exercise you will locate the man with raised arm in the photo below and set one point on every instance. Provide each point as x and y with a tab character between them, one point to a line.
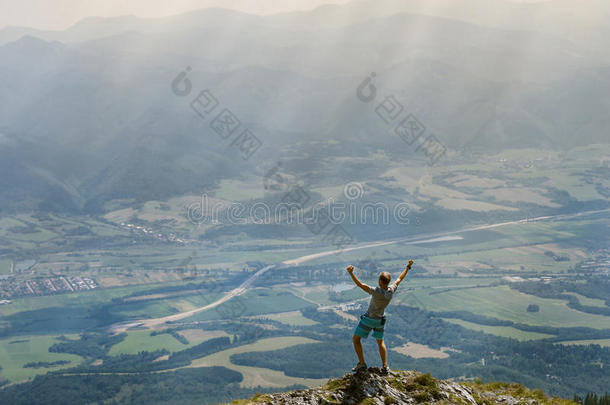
374	318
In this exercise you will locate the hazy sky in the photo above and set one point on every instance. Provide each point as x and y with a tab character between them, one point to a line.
60	14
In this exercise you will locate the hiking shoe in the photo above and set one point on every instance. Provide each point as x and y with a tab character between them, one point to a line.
360	367
385	370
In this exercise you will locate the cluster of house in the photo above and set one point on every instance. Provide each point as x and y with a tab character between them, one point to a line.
12	288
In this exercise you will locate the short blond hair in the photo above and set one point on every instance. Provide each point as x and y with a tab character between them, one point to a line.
385	277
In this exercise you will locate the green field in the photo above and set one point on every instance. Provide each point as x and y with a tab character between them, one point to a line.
145	309
26	349
258	301
238	190
166	306
504	331
593	302
5	266
294	318
190	302
504	303
513	258
444	282
318	294
141	340
256	376
566	179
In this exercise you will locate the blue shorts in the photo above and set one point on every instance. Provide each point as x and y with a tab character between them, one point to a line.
366	325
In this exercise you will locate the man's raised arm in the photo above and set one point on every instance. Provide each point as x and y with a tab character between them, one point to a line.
404	273
350	270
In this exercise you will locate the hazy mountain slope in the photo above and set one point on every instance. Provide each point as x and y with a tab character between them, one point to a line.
101	107
584	22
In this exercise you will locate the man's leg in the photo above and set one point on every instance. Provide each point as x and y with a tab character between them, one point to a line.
383	352
358	348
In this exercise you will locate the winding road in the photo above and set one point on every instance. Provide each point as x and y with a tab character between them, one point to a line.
423	238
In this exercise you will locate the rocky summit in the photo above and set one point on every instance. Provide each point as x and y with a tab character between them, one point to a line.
372	387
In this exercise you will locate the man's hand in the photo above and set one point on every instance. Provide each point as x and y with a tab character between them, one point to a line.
404	273
350	270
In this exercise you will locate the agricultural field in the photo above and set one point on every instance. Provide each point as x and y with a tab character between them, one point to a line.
159	306
504	303
17	351
142	340
240	190
517	259
315	294
593	302
257	301
292	318
256	376
419	351
504	331
5	266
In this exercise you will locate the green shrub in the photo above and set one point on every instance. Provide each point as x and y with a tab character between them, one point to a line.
425	380
421	397
389	401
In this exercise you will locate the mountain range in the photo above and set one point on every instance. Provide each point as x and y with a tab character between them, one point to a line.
87	114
